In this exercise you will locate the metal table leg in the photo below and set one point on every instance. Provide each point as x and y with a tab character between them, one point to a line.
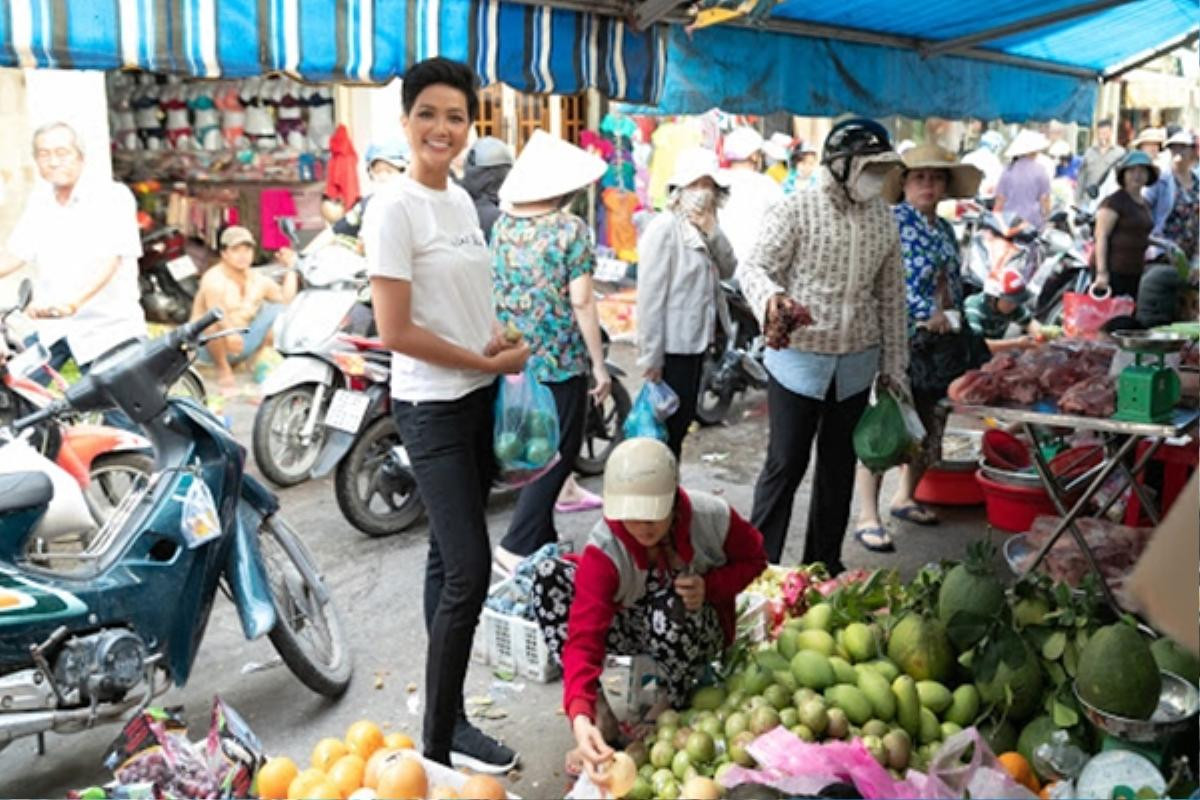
1070	515
1137	488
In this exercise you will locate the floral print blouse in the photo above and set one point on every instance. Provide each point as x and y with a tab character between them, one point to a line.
534	260
928	249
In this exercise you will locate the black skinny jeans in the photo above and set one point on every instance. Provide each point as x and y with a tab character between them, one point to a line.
532	524
682	373
450	446
795	421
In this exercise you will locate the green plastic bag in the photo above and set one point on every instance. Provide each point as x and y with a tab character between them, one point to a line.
881	438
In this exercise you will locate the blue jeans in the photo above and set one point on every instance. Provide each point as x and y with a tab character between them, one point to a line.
252	339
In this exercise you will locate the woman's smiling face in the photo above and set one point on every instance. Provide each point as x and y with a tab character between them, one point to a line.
438	127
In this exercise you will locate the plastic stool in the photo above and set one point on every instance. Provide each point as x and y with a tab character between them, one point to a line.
1179	461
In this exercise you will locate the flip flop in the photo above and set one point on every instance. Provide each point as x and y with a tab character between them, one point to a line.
586	502
916	514
883	540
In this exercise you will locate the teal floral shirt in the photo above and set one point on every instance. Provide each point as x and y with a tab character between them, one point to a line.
534	260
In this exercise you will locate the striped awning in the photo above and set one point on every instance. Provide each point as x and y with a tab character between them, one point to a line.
531	48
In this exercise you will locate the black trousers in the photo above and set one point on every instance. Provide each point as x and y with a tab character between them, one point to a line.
532	524
795	421
682	374
450	446
1123	284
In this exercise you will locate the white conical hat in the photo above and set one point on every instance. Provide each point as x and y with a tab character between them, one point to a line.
547	168
1027	142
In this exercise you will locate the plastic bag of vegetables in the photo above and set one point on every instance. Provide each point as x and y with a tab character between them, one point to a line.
525	436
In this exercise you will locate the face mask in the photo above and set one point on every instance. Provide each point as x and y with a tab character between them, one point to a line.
696	200
867	185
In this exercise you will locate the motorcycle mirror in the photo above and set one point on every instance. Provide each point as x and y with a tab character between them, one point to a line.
24	294
288	226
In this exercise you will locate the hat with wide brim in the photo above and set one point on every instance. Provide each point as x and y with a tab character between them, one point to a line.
1027	142
777	147
1136	158
1149	136
694	163
962	179
1182	137
549	168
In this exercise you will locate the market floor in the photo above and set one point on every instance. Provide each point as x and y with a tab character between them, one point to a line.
377	587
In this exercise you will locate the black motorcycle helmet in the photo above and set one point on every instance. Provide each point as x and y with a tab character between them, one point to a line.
853	137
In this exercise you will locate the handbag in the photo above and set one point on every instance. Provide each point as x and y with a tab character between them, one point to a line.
936	359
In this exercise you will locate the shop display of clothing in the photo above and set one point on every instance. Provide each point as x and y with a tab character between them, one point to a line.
620	233
668	141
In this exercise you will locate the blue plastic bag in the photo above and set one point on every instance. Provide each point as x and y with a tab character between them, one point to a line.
642	421
662	398
525	436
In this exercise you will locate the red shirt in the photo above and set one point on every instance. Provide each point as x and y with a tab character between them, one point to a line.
596	583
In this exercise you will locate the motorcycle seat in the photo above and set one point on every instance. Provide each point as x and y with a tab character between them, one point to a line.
21	491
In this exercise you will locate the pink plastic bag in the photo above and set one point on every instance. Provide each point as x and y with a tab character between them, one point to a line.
1084	313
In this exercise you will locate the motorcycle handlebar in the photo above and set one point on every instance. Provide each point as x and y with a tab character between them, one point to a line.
190	332
59	406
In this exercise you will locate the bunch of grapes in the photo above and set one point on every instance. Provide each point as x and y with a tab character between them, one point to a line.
788	316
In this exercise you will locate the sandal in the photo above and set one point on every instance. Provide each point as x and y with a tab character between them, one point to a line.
876	539
586	502
916	514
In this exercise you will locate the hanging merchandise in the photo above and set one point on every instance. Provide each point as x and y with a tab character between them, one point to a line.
290	115
342	183
668	141
121	118
233	116
207	120
257	97
148	113
621	234
320	117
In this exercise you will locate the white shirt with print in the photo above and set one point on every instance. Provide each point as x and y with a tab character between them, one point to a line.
432	239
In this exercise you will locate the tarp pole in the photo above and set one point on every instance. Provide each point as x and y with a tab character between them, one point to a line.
1182	41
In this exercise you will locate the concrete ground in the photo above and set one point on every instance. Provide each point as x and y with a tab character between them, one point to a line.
377	587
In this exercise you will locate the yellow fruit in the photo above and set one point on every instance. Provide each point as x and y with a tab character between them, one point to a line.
483	787
363	738
403	779
347	773
443	793
375	766
324	790
327	752
302	785
398	741
1015	765
275	777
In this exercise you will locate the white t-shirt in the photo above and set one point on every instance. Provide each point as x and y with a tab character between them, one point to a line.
750	195
432	239
66	245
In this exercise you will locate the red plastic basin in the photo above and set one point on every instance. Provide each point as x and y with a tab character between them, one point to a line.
1013	508
949	487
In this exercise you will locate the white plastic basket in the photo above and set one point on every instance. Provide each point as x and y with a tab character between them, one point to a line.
513	643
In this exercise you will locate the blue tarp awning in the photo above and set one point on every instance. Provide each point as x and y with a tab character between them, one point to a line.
871	62
531	48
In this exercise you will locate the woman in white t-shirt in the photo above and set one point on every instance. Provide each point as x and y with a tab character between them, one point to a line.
431	285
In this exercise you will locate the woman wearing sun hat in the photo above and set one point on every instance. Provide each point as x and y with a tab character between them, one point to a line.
681	256
1123	225
542	264
1024	187
933	287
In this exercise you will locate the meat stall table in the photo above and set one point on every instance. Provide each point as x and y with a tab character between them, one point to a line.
1120	439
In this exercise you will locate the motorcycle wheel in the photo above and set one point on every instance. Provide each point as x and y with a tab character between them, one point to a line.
112	477
603	429
190	385
712	406
308	634
375	494
283	459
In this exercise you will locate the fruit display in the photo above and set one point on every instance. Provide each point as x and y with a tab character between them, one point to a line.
365	765
900	668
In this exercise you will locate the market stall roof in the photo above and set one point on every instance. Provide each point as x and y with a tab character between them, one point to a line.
529	47
1016	60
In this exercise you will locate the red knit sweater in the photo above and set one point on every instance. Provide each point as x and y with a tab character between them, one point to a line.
596	583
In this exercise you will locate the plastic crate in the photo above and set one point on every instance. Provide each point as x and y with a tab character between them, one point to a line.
514	643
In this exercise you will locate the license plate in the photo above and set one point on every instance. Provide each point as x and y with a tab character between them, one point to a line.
182	267
346	410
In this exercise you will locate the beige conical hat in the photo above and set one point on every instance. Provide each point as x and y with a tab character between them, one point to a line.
1027	142
547	168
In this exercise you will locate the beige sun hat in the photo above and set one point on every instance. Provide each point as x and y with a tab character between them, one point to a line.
1150	136
1027	142
694	163
963	181
640	481
549	168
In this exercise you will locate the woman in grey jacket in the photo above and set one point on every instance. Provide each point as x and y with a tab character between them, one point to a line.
681	257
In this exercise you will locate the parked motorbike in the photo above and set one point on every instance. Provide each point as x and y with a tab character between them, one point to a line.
105	461
86	644
167	276
1065	268
373	480
289	426
734	361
